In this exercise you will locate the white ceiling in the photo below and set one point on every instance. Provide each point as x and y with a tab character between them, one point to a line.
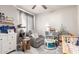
39	9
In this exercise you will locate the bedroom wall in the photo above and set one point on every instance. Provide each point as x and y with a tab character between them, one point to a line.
9	10
78	18
66	16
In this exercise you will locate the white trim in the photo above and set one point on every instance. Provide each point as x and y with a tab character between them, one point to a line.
24	10
34	24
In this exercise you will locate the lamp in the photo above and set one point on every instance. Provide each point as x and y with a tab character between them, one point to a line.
47	27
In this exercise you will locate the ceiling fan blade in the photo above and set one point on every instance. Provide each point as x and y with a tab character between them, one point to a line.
44	6
33	6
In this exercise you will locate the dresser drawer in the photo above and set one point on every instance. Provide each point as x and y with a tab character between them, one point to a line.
5	48
12	46
11	37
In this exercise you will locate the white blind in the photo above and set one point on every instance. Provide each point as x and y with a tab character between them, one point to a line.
26	21
30	22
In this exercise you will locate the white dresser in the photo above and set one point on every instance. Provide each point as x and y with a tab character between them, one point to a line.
7	42
0	45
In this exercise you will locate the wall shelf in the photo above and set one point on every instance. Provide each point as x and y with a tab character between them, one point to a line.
6	22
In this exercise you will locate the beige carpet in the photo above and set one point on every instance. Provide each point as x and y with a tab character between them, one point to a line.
40	50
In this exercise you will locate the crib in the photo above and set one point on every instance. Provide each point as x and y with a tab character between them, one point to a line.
68	44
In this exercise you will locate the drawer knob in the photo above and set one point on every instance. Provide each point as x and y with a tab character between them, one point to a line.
9	42
12	36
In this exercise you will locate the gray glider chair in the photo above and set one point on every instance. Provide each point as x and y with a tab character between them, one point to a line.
37	40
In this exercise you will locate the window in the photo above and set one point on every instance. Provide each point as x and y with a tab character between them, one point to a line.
26	21
30	22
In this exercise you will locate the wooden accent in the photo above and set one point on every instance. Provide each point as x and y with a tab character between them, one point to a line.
25	45
65	48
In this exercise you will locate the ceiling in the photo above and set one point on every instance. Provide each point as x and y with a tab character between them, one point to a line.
39	9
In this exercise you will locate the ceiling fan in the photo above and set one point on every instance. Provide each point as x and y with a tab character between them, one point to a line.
41	5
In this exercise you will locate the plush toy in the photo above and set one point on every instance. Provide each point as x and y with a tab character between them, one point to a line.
77	43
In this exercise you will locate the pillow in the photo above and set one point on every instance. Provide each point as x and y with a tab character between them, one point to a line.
35	35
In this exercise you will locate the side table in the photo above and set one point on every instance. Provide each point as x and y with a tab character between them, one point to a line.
25	44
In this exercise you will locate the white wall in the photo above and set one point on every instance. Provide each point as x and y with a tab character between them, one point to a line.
78	18
9	10
66	16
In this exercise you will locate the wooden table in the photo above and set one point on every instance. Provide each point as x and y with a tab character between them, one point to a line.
25	44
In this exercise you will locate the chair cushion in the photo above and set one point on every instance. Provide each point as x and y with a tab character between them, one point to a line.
35	35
